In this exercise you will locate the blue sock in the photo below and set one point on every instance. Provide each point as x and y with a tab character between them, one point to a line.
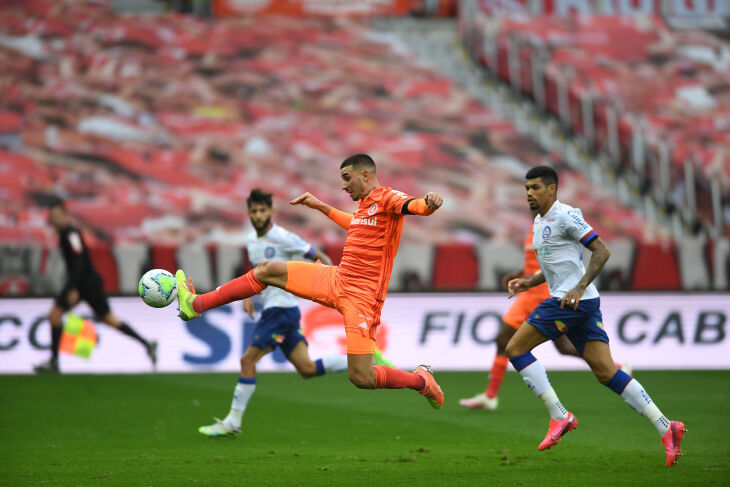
619	381
521	361
320	366
246	380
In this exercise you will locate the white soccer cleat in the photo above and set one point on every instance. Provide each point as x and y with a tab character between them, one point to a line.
219	428
480	401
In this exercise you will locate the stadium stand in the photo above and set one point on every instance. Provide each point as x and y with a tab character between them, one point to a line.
153	129
655	100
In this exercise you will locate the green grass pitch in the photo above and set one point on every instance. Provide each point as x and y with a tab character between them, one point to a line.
142	430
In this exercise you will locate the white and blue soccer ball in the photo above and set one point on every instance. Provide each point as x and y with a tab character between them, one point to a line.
158	288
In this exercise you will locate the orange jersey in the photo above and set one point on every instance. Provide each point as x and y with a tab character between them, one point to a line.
531	266
372	242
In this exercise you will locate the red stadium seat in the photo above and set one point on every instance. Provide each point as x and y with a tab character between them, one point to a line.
655	268
163	257
103	261
455	267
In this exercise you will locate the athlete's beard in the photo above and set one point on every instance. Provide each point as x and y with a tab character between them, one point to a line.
265	224
534	207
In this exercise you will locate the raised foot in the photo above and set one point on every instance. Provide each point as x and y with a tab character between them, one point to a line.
431	390
556	431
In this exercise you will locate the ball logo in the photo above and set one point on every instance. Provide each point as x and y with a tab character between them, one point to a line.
373	208
547	232
269	252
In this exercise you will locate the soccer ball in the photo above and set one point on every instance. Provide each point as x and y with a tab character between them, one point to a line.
157	288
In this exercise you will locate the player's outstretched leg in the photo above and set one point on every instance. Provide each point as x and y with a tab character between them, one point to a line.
191	304
51	365
598	356
561	420
185	297
246	386
308	368
431	390
149	345
420	380
489	398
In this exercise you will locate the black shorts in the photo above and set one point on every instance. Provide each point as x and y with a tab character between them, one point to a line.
91	290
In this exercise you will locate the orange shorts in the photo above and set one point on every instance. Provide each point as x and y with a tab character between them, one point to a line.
524	304
322	284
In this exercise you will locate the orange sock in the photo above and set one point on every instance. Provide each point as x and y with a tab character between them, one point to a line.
390	378
499	367
239	288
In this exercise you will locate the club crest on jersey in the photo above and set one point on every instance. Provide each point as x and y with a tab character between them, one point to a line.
269	252
373	208
546	232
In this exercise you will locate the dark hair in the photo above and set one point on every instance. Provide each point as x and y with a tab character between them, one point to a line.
546	173
259	196
56	202
359	161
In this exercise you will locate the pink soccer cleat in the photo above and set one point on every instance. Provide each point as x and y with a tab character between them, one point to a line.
557	429
672	440
431	390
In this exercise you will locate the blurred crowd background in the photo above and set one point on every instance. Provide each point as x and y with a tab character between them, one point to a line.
154	120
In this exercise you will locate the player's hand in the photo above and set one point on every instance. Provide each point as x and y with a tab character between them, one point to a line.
248	307
307	199
433	200
73	296
517	285
571	298
506	279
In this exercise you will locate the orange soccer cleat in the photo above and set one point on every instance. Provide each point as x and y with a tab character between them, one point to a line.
672	440
431	390
557	429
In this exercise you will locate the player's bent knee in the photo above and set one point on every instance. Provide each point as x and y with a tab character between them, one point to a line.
359	379
603	376
248	364
308	371
269	269
512	349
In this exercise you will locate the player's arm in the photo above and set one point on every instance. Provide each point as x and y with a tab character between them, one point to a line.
423	206
248	307
599	256
512	275
521	284
319	255
342	218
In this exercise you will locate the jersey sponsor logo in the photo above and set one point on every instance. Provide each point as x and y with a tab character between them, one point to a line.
400	194
371	222
373	208
270	252
542	252
546	232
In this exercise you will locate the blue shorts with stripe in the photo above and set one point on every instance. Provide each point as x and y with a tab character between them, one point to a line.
580	326
278	327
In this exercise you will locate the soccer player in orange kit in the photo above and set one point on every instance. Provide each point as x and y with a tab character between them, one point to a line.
356	287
